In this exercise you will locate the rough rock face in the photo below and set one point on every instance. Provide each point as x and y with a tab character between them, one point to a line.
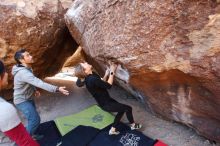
168	51
39	27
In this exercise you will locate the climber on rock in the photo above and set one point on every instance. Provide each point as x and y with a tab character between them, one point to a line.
98	86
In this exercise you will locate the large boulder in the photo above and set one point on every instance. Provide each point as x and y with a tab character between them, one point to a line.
39	27
168	51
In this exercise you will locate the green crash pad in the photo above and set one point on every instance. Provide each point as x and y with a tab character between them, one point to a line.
93	116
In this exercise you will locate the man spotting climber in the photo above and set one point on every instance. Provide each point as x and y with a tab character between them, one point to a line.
25	84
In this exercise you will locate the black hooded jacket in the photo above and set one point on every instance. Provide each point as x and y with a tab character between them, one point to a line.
97	87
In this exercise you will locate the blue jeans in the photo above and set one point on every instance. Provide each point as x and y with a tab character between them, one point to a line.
29	110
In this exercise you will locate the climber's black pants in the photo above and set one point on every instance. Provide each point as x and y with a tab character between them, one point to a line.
115	106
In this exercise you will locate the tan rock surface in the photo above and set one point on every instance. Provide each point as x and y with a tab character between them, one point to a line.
169	53
77	57
39	27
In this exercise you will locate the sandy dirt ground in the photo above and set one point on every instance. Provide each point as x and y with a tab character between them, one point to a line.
53	105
